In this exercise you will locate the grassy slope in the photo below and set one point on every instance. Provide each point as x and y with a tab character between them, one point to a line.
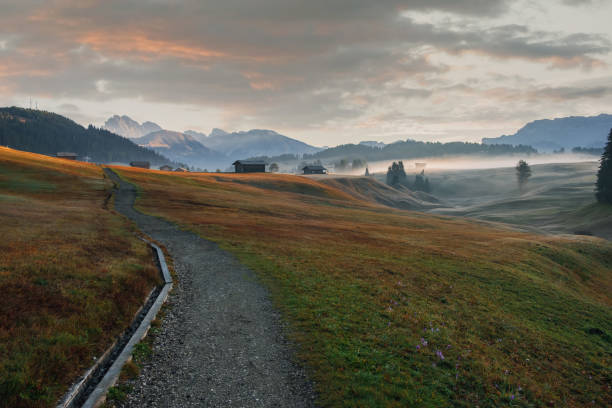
557	198
364	288
72	275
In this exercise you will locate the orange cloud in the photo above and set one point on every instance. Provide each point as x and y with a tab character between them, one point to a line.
137	44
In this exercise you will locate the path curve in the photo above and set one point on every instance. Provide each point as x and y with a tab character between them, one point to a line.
221	342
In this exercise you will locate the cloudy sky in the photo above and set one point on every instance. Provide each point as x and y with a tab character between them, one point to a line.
323	71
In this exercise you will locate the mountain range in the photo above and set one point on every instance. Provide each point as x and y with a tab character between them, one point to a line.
183	148
548	135
127	127
218	149
255	142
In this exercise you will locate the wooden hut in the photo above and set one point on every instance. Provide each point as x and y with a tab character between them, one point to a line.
67	155
250	166
314	169
141	164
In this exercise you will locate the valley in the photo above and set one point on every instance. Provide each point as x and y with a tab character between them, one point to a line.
559	198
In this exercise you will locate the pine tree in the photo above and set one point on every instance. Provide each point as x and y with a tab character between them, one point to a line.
396	174
523	172
604	175
367	172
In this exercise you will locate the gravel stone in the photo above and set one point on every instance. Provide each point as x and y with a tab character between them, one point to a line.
221	343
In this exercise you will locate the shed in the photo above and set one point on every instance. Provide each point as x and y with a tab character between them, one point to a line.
67	155
141	164
181	169
314	169
250	166
165	167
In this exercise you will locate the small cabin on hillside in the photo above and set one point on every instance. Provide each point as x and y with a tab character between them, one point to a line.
165	167
250	166
141	164
67	155
181	169
314	169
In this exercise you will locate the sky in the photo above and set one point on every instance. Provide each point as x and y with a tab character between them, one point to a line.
323	71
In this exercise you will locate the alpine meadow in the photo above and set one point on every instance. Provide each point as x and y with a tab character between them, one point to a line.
302	204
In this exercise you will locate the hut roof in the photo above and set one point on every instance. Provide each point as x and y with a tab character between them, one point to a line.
315	167
250	162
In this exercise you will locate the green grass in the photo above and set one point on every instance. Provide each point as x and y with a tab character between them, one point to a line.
362	286
72	275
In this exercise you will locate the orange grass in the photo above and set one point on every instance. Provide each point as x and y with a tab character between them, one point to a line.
521	320
72	275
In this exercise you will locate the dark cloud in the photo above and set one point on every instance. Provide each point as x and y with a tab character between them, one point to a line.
294	61
568	92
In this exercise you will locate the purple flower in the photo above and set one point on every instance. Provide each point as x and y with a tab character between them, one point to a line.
512	397
439	354
448	346
418	347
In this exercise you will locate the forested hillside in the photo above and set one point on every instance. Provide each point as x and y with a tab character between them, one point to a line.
413	149
48	133
408	149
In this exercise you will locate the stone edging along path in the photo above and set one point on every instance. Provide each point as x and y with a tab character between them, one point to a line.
90	390
221	342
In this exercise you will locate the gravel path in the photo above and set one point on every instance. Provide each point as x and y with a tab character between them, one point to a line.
221	342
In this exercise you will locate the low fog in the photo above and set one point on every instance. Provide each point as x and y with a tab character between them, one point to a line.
434	164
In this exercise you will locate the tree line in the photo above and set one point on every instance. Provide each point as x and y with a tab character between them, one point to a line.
48	133
396	176
413	149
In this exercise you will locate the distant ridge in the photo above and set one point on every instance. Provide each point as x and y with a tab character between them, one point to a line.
48	133
182	147
252	143
553	134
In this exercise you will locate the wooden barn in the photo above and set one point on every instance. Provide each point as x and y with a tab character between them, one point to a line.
67	155
314	169
250	166
141	164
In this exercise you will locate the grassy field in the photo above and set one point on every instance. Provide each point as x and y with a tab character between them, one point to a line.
558	198
397	308
72	274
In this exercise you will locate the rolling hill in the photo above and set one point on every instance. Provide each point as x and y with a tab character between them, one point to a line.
548	135
558	198
369	189
72	275
398	308
48	133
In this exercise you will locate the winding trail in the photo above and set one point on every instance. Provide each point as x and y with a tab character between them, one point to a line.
221	342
